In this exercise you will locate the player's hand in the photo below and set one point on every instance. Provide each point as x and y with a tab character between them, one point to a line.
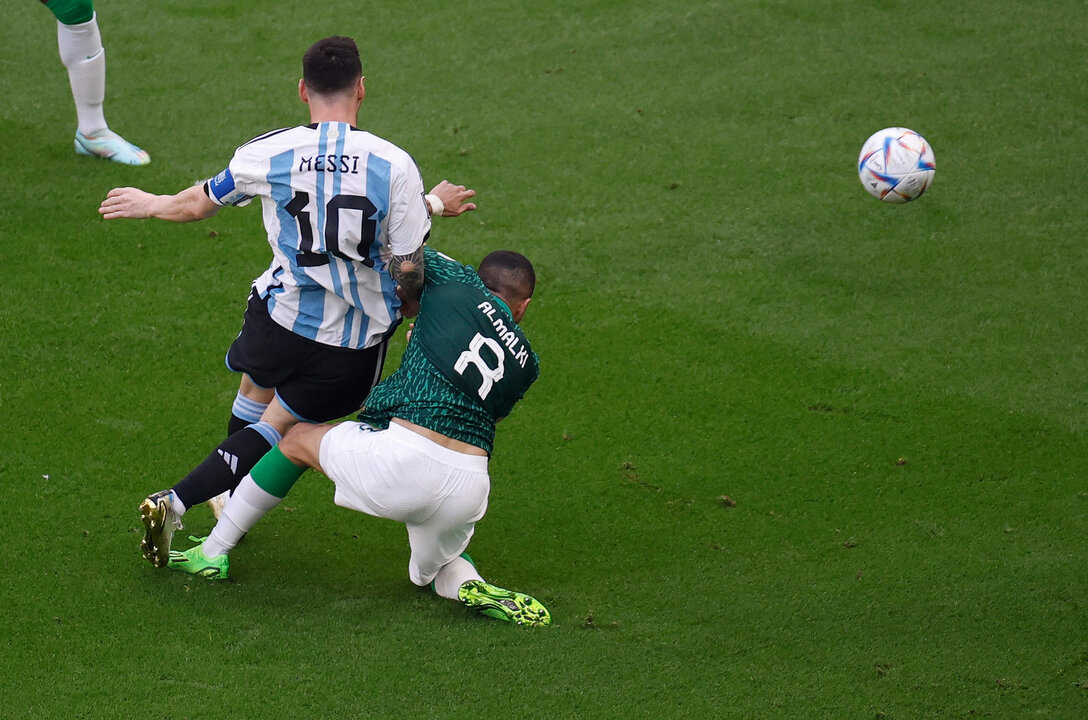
408	335
454	197
126	202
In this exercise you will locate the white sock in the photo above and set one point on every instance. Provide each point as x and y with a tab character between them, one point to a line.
452	576
82	53
177	505
246	506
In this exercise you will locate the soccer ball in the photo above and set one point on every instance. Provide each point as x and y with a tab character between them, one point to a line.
896	165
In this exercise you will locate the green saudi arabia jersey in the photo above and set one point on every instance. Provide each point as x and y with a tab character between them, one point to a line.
467	364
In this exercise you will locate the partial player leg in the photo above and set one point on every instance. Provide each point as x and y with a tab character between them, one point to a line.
250	404
220	472
459	580
445	535
261	490
224	468
447	583
80	44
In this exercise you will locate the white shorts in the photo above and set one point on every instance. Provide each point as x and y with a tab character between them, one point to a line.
438	493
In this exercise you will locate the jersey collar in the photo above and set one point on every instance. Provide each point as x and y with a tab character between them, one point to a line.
504	305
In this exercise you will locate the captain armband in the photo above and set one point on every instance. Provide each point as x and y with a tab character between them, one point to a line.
221	190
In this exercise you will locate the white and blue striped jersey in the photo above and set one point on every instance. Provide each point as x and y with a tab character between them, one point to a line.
337	204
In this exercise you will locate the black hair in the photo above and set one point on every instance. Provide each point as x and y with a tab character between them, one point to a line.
508	274
331	65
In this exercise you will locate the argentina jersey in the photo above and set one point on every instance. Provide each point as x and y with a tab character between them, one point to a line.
337	203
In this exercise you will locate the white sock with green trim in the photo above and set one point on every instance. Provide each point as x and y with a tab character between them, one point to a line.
82	54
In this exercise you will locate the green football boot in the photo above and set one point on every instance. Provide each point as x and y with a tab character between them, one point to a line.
502	604
195	562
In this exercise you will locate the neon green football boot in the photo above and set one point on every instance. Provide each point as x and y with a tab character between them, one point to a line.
503	604
195	562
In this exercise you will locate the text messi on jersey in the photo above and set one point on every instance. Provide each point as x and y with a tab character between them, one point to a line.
347	164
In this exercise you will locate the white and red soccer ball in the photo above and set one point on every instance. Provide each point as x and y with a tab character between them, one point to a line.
896	165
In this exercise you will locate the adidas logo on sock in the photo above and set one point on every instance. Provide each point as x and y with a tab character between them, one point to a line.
231	460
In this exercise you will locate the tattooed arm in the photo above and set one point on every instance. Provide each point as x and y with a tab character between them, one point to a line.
407	272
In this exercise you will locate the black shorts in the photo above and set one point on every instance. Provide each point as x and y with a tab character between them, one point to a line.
315	382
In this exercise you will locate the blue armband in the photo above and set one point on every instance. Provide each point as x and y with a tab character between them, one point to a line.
222	191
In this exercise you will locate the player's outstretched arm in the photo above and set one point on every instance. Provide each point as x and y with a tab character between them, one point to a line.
454	199
186	206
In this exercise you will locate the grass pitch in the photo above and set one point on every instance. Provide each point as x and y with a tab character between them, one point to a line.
794	453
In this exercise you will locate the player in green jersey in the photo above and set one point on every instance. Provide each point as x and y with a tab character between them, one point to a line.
420	453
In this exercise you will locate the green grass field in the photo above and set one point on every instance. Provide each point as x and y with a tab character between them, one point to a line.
794	453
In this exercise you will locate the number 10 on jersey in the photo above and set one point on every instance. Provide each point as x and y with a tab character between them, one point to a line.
355	241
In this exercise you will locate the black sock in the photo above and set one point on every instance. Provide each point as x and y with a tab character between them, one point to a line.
236	424
224	468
